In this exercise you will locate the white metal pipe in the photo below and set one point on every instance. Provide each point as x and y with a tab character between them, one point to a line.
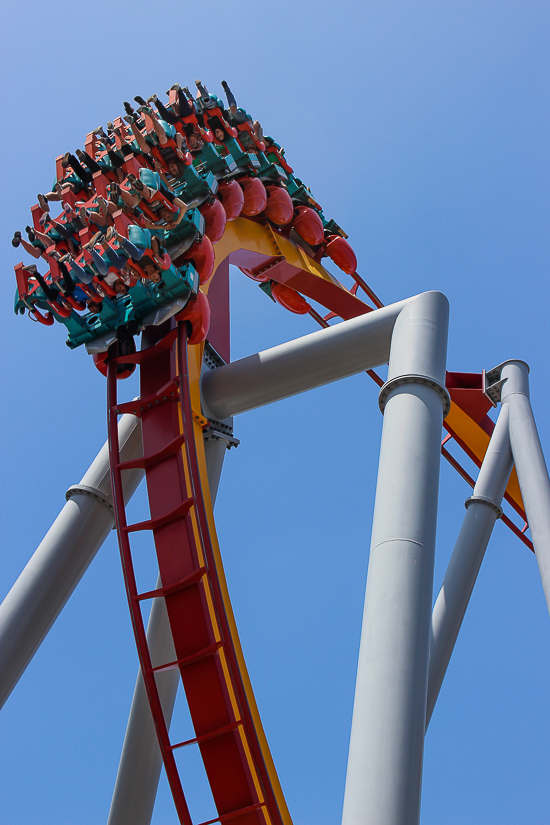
48	580
300	365
530	464
384	773
141	761
481	515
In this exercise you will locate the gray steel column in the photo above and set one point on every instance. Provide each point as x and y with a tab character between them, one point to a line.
141	761
530	465
483	509
45	585
302	364
384	773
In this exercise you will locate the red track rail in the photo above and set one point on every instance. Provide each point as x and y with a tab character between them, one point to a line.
205	653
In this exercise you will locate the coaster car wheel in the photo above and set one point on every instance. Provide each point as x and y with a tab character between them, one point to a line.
215	219
232	198
340	251
279	207
197	316
202	256
290	299
100	361
261	277
123	370
255	196
308	225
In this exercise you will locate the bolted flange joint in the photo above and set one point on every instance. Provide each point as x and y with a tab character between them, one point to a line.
83	489
414	379
485	500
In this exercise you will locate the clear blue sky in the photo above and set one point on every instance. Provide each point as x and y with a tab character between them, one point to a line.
422	128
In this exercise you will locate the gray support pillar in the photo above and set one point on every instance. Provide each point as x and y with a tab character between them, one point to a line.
384	773
483	509
45	585
300	365
530	465
141	761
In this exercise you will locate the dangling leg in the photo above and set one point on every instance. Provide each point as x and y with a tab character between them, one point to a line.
231	102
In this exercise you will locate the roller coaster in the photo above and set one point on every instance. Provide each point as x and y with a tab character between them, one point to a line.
153	212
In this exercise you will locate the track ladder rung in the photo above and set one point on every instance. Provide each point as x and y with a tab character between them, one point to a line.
232	814
173	588
144	354
189	660
146	461
153	523
198	740
169	392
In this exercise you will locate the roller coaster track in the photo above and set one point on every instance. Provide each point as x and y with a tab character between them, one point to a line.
228	730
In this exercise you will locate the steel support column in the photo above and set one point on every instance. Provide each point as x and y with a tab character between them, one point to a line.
384	773
63	556
530	464
302	364
141	761
483	509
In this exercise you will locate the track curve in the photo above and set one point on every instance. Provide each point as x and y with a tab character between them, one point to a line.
228	730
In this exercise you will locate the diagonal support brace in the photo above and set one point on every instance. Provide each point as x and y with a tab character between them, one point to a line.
530	464
482	511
